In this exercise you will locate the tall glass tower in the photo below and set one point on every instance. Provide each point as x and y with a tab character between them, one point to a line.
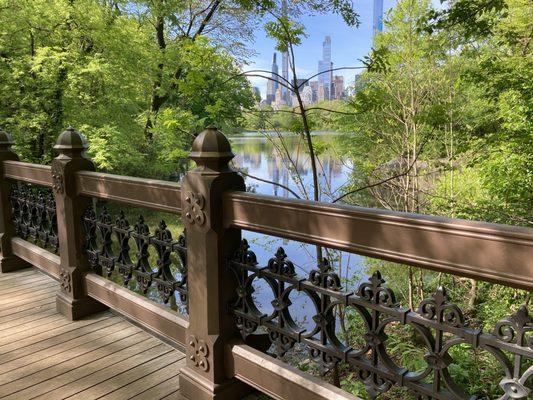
285	61
324	68
272	84
378	16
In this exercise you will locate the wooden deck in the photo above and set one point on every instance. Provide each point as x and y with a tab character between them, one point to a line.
44	356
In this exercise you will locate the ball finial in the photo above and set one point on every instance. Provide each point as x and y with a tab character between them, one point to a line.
5	139
71	139
211	146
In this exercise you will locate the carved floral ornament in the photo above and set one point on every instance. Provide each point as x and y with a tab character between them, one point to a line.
194	206
65	281
199	353
57	178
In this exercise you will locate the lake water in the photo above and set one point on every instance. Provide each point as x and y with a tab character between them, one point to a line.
274	159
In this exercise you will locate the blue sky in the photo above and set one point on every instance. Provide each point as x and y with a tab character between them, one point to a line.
348	44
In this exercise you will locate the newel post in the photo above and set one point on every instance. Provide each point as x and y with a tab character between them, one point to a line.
71	300
8	261
210	285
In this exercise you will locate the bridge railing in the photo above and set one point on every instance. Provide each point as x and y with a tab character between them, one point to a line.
48	219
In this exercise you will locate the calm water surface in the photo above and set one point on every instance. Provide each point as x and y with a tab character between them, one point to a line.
277	160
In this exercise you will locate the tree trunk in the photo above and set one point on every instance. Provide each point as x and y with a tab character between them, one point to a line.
157	100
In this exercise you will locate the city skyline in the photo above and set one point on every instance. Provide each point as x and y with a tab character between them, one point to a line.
325	85
349	44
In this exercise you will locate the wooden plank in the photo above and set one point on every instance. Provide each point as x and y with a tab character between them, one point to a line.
36	256
30	311
278	379
54	388
17	275
491	252
146	193
137	372
144	312
26	295
19	359
30	173
26	302
42	369
135	388
47	324
7	347
83	385
25	307
174	396
55	355
26	284
160	391
15	290
21	321
60	341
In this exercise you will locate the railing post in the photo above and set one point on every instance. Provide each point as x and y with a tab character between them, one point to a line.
72	300
8	261
210	285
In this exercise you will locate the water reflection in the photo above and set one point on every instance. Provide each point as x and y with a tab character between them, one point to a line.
285	161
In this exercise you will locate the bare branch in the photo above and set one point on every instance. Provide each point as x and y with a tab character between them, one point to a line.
329	70
267	181
382	182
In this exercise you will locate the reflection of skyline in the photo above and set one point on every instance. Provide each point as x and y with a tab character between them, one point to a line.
260	158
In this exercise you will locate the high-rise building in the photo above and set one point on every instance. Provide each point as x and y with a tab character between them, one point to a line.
279	101
321	92
307	95
257	93
314	90
378	16
325	65
338	87
285	60
272	84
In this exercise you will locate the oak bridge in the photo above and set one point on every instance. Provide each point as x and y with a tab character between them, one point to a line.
48	222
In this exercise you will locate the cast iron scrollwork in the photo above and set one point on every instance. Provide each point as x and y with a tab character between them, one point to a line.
108	245
33	212
439	324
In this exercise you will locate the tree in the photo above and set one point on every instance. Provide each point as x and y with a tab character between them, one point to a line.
92	64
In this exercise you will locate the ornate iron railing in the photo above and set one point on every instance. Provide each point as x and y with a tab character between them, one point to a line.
215	209
33	214
167	274
439	323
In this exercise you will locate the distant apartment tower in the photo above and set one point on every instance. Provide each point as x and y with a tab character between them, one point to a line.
272	84
314	90
338	87
325	79
378	16
257	93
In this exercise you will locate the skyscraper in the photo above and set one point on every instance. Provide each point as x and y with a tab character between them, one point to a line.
272	84
338	87
285	59
378	16
324	68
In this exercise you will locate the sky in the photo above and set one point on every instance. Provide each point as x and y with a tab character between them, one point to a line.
348	44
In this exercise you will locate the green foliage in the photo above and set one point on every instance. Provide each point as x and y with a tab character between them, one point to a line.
94	66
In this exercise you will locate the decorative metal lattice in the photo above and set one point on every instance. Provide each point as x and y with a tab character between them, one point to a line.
438	324
33	212
106	256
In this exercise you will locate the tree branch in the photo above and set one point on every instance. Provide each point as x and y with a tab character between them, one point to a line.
382	182
267	181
